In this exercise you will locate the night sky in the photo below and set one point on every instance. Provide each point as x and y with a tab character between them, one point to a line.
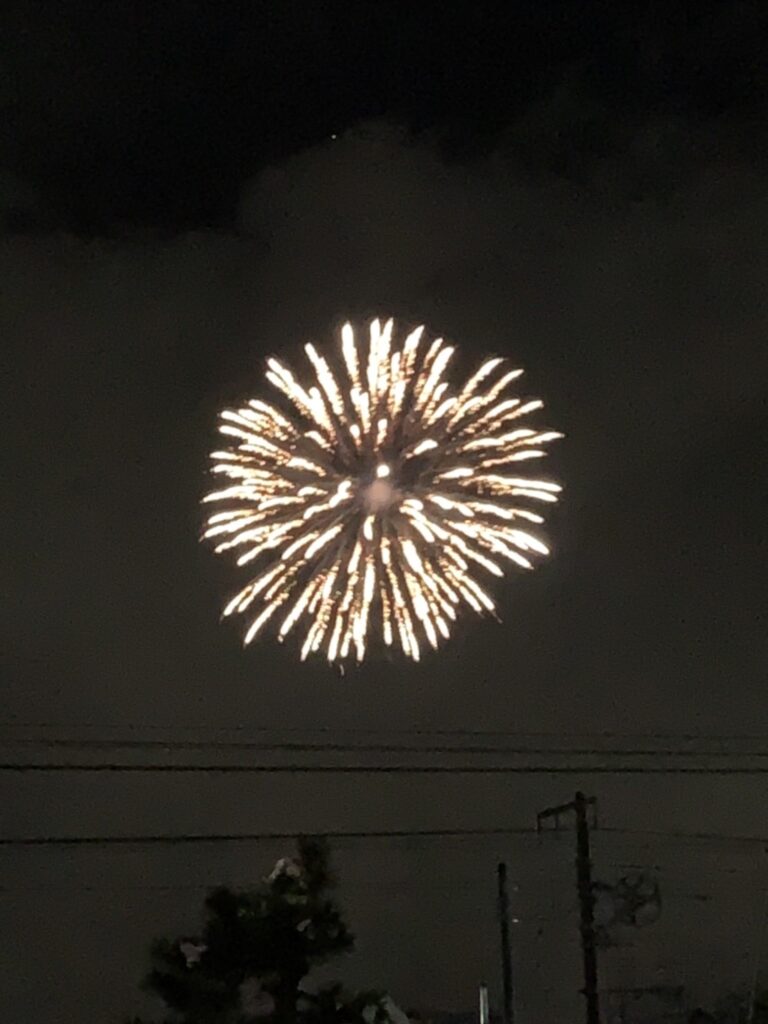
187	188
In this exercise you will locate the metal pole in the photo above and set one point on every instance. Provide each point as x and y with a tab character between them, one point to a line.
506	950
485	1015
763	928
587	908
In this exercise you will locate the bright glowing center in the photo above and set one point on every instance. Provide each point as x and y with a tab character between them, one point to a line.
378	496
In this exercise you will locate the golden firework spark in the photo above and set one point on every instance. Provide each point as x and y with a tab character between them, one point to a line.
371	504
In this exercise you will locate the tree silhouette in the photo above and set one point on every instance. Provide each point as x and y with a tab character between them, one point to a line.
256	948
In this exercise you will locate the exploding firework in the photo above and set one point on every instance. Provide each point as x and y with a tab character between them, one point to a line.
371	501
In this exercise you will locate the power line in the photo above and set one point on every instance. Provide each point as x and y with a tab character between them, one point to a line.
249	837
662	834
240	727
361	834
379	769
6	890
378	748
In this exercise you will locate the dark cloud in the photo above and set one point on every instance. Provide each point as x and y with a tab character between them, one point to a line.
155	116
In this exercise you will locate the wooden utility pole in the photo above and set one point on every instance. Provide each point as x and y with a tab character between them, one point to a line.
506	950
578	806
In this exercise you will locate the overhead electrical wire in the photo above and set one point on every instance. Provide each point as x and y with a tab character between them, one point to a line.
377	748
377	769
166	839
248	837
357	731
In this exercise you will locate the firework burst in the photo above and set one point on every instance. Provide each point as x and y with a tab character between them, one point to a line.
371	502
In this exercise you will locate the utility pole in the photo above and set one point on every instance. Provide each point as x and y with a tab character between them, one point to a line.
485	1013
578	806
758	958
506	950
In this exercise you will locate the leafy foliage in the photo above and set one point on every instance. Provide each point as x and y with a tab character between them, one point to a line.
255	949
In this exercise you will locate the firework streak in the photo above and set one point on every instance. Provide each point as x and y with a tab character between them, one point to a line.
372	502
